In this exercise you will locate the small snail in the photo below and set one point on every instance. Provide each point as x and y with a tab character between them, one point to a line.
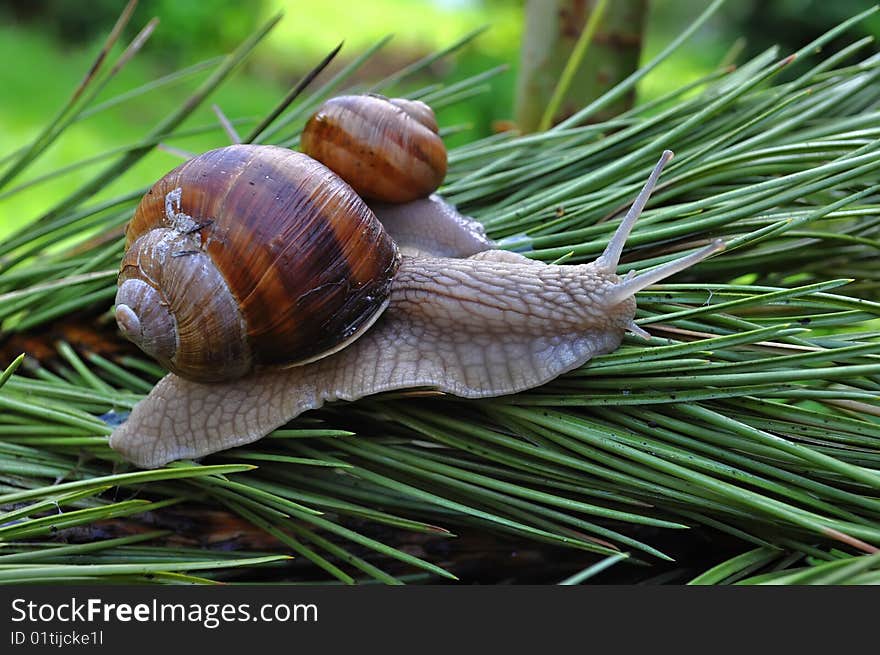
283	285
386	149
389	151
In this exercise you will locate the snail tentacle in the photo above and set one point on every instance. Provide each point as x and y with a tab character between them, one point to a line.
629	287
611	256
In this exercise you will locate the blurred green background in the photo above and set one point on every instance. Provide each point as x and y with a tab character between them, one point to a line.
47	46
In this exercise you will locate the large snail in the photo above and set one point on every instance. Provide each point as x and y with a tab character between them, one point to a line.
268	287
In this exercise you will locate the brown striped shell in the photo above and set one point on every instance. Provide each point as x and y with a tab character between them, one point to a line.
250	256
387	149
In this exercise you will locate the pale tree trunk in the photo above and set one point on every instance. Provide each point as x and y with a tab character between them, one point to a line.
551	29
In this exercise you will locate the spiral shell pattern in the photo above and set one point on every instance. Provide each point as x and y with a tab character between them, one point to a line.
248	256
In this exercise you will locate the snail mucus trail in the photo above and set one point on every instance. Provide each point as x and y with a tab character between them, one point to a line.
473	324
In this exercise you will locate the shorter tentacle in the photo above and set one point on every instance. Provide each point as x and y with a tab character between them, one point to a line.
630	286
638	330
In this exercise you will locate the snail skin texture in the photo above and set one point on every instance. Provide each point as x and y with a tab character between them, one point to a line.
474	325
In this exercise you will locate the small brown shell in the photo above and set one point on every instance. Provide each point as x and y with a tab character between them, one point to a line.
387	150
260	255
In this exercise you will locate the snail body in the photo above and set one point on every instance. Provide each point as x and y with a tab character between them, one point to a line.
432	227
449	313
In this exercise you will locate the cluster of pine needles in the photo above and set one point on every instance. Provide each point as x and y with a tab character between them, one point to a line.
750	416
